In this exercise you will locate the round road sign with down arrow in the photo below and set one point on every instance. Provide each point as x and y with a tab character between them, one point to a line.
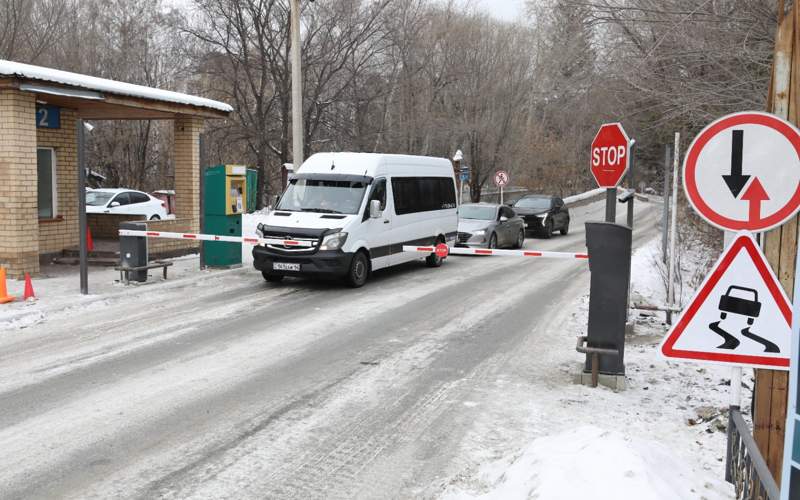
742	172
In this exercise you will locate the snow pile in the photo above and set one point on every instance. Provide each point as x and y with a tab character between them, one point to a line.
589	462
648	281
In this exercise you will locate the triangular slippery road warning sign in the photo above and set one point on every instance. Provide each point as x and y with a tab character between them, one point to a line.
739	316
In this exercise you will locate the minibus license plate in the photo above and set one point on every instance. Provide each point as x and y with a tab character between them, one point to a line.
285	266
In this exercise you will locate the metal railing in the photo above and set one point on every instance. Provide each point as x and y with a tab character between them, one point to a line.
745	468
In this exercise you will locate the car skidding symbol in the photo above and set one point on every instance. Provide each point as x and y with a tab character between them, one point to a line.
729	303
743	301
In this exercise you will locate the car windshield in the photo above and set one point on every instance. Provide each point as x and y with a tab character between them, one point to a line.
98	198
477	212
540	203
323	196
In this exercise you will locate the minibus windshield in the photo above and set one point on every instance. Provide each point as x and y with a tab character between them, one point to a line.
323	196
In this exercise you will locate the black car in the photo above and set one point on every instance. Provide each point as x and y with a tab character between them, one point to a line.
543	214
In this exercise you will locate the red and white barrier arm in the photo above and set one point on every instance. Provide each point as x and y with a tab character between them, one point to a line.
216	237
505	253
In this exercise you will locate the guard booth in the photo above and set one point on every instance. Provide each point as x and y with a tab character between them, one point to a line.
227	197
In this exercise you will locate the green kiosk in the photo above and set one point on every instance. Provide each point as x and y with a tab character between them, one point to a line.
227	197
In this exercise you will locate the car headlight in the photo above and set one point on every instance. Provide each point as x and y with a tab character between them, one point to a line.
260	230
333	241
479	233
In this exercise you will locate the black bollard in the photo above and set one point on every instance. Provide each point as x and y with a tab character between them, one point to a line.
610	265
133	250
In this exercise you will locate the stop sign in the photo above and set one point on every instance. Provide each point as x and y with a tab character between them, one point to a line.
609	158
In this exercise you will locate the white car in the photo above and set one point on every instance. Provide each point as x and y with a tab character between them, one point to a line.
124	201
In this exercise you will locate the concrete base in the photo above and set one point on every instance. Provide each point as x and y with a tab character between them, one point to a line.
614	382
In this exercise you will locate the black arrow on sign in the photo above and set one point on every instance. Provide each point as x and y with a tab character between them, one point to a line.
736	181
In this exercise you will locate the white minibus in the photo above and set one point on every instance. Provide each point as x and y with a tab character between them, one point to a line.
354	212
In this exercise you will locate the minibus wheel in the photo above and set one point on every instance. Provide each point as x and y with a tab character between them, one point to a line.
359	270
434	260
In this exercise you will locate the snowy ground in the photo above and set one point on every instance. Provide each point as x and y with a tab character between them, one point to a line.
662	439
449	383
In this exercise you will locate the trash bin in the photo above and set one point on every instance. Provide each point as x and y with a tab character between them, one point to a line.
133	251
609	248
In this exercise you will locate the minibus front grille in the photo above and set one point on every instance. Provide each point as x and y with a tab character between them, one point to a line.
294	249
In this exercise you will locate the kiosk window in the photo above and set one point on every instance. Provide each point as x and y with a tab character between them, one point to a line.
47	187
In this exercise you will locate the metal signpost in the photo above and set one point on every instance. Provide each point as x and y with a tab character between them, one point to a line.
609	160
501	179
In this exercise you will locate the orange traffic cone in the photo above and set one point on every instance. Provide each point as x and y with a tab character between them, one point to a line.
4	296
28	294
89	241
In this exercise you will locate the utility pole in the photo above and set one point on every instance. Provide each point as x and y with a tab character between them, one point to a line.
297	87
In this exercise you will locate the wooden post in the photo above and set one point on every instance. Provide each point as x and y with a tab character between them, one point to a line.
770	395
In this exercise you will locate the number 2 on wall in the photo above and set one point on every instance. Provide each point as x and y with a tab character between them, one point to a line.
42	112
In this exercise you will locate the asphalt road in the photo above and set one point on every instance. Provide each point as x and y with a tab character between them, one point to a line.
233	388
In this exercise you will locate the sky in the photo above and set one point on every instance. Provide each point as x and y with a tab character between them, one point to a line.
508	10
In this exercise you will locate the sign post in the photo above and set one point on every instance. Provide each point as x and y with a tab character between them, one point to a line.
501	179
610	158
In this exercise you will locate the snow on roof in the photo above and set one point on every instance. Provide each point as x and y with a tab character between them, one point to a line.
10	68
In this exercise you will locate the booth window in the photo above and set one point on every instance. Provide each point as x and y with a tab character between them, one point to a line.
47	185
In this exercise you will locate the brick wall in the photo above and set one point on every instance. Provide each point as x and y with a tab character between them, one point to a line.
19	232
162	246
62	231
106	226
187	170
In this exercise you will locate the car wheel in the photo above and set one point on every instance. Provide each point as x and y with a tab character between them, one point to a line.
359	270
565	230
272	278
155	217
548	229
434	260
520	239
492	241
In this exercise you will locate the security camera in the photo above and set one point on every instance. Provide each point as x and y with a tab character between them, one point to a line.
627	196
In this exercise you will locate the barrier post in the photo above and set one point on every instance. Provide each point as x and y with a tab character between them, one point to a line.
611	205
610	267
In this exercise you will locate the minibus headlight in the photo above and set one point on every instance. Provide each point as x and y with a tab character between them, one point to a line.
333	241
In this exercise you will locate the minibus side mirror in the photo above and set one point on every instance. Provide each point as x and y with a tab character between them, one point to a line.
375	209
